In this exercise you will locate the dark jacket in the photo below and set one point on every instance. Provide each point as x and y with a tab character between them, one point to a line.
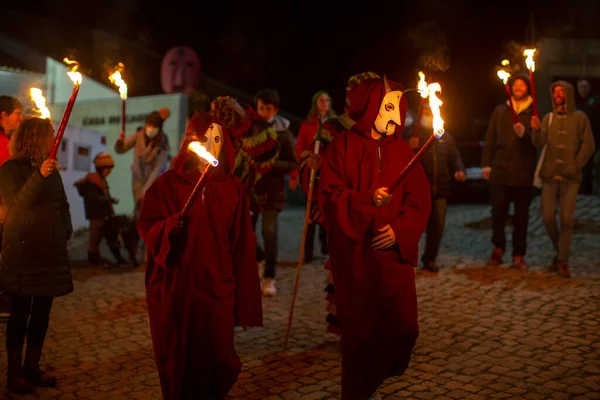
512	158
271	186
440	162
96	196
568	139
36	229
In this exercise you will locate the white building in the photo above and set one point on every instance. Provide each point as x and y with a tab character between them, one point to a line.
93	126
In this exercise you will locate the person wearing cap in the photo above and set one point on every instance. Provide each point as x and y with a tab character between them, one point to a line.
99	211
509	161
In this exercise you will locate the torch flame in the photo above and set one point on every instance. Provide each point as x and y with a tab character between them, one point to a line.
422	86
528	53
75	75
40	102
117	79
434	105
197	148
503	75
505	63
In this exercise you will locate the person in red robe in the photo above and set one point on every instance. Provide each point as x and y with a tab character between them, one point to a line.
202	275
373	237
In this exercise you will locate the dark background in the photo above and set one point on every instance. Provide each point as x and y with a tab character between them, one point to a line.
299	47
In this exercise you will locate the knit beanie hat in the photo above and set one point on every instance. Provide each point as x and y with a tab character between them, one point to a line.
157	118
104	160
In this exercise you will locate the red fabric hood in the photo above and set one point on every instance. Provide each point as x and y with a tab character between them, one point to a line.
364	103
197	126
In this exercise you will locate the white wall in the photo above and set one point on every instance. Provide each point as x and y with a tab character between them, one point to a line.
17	84
104	116
73	138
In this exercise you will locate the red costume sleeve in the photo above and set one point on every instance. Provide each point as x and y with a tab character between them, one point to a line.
248	303
413	215
351	210
156	223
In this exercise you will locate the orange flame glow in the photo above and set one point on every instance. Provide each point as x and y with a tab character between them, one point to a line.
528	53
73	74
197	148
117	79
503	75
40	102
434	104
422	86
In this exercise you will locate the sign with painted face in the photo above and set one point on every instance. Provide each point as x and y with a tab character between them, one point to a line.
180	71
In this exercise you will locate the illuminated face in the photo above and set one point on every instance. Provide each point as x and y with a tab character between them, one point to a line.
267	111
10	122
212	141
323	103
389	113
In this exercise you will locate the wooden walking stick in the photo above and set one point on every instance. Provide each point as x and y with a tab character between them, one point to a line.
303	242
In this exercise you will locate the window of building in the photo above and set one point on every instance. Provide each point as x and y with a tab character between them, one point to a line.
82	159
63	154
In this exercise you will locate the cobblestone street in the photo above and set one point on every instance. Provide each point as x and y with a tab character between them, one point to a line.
486	333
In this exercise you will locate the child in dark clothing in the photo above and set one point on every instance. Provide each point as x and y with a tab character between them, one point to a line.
99	211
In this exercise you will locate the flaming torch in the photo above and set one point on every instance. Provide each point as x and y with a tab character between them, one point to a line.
76	77
40	102
438	132
528	53
424	92
197	148
503	75
117	79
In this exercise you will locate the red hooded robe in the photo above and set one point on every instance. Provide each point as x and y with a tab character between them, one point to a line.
375	289
202	281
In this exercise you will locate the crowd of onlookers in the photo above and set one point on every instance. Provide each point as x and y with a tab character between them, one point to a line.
35	266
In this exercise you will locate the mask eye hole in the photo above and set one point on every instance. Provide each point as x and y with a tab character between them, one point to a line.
217	139
389	107
203	139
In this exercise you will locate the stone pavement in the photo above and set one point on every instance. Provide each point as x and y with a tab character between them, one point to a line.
486	333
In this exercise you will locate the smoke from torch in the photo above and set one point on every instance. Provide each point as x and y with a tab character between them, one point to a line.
40	102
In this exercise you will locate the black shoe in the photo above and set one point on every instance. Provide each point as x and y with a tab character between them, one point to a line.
553	267
97	260
430	266
324	249
116	252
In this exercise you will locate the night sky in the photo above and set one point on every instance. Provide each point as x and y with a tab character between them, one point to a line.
300	47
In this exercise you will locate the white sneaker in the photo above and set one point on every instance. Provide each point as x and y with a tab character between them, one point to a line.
269	288
376	396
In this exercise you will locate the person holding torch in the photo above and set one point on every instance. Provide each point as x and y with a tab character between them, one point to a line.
373	236
202	275
508	161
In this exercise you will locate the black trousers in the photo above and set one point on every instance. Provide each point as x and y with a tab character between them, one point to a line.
309	245
29	316
269	234
501	196
435	229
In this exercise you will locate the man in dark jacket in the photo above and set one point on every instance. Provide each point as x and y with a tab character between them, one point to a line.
509	164
568	142
438	163
271	186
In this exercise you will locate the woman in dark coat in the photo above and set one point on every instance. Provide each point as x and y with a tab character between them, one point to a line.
35	264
